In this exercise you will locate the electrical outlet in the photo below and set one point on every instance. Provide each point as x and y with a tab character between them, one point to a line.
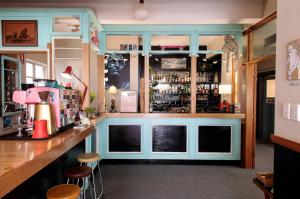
295	112
286	110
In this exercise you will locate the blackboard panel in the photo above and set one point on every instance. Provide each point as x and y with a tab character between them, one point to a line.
214	139
124	138
169	138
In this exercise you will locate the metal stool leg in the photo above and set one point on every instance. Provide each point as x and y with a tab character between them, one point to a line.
100	179
83	181
94	186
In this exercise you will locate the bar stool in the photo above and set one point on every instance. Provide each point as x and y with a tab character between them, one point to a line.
64	191
77	173
88	159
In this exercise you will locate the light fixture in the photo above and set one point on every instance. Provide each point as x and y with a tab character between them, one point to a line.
224	89
112	91
215	62
141	13
68	73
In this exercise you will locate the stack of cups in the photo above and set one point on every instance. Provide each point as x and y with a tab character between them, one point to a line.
40	129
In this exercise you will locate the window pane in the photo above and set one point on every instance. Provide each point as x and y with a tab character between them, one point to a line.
39	72
124	42
29	69
170	42
29	80
211	42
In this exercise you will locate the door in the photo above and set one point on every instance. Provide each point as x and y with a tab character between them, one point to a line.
265	106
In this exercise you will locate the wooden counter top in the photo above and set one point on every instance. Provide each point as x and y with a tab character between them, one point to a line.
170	115
21	159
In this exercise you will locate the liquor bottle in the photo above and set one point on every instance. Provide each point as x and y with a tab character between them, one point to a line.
216	78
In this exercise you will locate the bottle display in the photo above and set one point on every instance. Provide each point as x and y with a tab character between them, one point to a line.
208	76
170	92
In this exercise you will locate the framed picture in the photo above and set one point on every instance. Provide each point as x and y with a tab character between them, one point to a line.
173	63
293	61
19	33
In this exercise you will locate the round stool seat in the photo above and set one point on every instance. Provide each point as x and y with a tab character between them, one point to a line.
88	157
64	191
78	172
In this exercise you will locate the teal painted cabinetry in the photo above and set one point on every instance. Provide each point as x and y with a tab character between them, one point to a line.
45	19
146	145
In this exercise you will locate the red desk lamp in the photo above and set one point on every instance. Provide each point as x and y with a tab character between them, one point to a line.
68	73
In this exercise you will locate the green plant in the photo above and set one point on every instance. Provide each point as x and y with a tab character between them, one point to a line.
92	97
90	110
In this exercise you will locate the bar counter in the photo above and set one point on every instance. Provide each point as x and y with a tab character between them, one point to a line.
169	136
170	115
21	159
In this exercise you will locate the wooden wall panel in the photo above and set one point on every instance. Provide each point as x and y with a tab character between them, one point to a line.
51	69
86	73
193	83
142	95
100	82
146	76
250	125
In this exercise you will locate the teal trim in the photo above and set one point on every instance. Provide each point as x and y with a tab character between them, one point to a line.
193	31
43	32
221	28
45	18
86	25
192	144
147	43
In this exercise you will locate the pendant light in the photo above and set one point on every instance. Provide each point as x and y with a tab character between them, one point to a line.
141	13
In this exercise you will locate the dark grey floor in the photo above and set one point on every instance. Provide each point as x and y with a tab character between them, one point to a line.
185	181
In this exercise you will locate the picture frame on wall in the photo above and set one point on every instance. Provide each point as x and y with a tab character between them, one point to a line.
173	63
293	60
19	33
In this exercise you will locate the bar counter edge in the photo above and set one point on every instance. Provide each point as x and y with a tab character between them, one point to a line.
21	159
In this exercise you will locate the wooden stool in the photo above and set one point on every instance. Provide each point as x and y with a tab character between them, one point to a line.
267	190
64	191
77	173
88	159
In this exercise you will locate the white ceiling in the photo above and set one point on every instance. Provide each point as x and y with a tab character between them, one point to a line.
160	11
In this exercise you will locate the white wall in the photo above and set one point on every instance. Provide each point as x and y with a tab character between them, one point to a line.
269	7
288	29
161	11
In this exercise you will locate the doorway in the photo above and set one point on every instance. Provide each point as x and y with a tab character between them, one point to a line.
265	106
265	114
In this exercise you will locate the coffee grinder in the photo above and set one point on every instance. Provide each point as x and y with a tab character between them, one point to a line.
45	111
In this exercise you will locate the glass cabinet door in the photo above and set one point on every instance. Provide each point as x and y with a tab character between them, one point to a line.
170	83
11	81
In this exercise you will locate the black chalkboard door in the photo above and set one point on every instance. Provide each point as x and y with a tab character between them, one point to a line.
214	139
169	138
124	138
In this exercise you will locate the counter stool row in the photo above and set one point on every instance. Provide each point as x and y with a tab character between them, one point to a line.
80	173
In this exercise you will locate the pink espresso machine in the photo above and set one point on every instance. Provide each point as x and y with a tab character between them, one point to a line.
31	97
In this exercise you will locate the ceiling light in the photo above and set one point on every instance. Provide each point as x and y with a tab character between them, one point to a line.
215	62
204	59
141	13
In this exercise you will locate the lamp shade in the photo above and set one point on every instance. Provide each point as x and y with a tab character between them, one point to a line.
112	90
225	89
67	73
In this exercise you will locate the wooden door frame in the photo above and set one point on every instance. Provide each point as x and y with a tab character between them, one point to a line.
249	133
